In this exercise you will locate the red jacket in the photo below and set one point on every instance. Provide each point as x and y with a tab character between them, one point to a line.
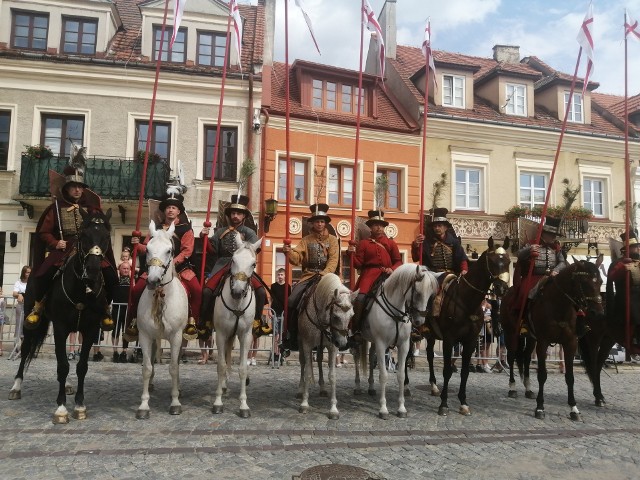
372	255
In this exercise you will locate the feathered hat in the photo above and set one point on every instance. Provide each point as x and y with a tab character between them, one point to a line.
239	203
173	197
319	212
74	172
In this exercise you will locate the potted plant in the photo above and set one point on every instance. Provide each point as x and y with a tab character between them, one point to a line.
153	157
515	212
38	152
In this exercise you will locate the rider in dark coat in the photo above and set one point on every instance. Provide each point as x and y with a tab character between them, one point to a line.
56	237
617	275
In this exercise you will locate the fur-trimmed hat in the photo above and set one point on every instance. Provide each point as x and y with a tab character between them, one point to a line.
173	197
440	216
376	216
551	225
633	239
73	175
319	212
239	203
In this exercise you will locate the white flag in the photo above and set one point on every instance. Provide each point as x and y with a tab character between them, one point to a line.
585	39
631	27
178	10
426	50
308	20
371	22
234	11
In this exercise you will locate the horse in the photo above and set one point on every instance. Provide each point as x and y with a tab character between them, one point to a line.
233	317
75	303
324	321
460	318
162	314
401	301
552	319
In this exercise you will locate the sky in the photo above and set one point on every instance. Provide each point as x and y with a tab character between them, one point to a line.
544	28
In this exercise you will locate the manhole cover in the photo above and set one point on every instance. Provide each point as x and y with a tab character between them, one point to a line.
337	472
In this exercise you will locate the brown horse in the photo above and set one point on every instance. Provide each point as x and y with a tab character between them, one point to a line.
552	320
460	318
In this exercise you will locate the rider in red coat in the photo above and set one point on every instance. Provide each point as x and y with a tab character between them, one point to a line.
375	256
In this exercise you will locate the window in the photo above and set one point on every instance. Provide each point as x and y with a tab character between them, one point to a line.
227	161
392	199
575	112
160	138
516	100
29	30
593	195
468	181
79	35
5	126
453	91
533	189
211	48
299	180
58	131
178	52
336	96
340	185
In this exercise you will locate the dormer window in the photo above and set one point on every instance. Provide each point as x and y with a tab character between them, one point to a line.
516	100
29	30
337	96
211	48
576	109
453	91
79	35
178	52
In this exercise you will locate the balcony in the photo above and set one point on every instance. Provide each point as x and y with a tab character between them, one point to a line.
111	178
523	230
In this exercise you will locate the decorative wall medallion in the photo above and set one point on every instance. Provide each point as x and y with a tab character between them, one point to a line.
295	226
391	230
343	228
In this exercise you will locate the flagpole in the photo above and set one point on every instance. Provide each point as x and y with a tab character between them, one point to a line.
627	195
143	181
354	200
287	240
424	136
553	173
207	222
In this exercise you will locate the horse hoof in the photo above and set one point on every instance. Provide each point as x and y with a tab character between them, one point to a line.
443	411
142	415
407	392
529	394
464	410
575	416
60	419
357	392
303	409
333	416
383	416
15	395
68	390
79	413
513	394
402	414
540	414
435	391
371	392
217	409
323	394
244	413
599	403
175	409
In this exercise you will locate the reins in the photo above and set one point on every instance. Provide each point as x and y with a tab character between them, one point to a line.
328	329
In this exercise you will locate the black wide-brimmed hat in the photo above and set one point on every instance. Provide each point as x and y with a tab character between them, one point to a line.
439	215
239	203
376	216
633	238
173	197
319	212
551	225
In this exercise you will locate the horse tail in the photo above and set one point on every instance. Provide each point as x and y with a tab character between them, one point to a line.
519	357
362	358
35	339
587	356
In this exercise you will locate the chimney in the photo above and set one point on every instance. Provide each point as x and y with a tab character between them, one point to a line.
387	19
506	53
269	30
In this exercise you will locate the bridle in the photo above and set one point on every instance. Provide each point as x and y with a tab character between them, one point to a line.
238	277
493	277
328	329
583	300
157	262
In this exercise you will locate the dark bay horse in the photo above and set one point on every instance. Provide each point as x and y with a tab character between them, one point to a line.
461	318
552	320
75	302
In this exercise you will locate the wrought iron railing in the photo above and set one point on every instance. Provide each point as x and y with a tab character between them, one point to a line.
572	231
111	178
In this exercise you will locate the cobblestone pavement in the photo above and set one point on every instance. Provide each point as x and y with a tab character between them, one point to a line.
500	440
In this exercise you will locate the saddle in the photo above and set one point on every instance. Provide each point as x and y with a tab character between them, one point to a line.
444	282
307	294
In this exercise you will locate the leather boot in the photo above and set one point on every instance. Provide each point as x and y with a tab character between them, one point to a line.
356	320
290	342
190	331
32	320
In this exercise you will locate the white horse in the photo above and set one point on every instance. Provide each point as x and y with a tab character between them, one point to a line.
162	314
401	301
323	322
233	316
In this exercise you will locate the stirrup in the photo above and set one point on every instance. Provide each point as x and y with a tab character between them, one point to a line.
107	324
190	331
131	332
32	320
259	328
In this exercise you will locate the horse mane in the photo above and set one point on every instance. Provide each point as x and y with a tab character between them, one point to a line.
96	213
404	274
328	284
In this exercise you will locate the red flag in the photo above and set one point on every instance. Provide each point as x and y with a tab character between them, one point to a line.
585	39
426	50
631	27
234	11
308	20
178	9
371	22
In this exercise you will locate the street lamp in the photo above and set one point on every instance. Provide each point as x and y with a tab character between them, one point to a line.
270	212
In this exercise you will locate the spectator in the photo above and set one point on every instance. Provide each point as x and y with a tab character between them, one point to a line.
119	311
486	338
18	293
277	305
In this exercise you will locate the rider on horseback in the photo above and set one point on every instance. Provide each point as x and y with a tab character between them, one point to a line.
221	245
172	210
318	254
374	256
57	232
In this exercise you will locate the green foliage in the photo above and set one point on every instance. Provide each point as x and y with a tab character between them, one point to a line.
38	151
153	157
